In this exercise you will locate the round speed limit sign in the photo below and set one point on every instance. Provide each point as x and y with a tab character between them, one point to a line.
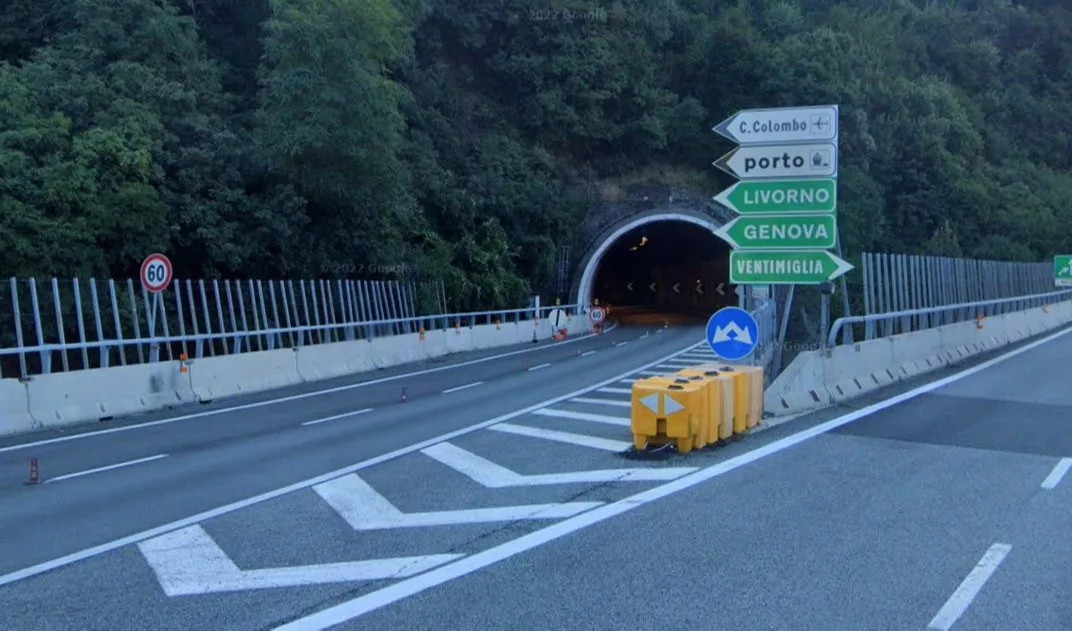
597	314
156	272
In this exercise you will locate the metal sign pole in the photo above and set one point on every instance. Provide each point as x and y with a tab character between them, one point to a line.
154	347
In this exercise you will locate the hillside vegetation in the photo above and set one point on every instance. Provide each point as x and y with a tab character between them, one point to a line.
462	138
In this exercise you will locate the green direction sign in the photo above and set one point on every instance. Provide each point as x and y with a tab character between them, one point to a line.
785	267
1062	270
781	232
781	196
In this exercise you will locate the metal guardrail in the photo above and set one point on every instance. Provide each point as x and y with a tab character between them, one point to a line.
930	317
90	329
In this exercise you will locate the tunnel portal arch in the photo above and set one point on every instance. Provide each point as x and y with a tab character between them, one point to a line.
583	287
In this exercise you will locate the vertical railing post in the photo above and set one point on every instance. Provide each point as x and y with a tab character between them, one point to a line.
60	333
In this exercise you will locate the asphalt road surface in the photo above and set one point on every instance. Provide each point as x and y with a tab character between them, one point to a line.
508	505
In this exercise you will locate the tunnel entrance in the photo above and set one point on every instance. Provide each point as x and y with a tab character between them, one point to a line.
671	266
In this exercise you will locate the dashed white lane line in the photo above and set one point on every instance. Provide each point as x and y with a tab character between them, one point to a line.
562	437
961	599
1059	471
628	381
615	390
337	416
623	343
538	367
584	416
611	402
108	468
457	388
587	353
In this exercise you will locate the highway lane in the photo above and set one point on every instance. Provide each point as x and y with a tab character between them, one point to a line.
868	520
217	460
78	448
877	523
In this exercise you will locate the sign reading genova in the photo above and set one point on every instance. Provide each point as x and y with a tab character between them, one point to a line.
787	164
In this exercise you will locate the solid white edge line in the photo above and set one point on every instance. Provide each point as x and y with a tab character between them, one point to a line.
539	367
962	598
294	397
75	557
108	468
466	386
1059	471
357	607
336	417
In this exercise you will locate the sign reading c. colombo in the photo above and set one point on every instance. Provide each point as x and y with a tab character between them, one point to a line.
781	124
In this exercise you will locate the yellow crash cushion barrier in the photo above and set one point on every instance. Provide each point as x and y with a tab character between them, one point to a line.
666	409
701	415
720	392
747	395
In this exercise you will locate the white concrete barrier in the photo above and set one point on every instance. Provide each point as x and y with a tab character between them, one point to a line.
815	379
397	349
63	398
217	377
579	325
459	340
59	399
435	344
324	361
492	336
15	408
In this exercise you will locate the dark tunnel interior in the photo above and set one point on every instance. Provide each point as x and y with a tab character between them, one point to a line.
667	267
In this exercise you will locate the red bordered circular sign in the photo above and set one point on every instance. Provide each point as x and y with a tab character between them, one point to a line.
597	314
156	273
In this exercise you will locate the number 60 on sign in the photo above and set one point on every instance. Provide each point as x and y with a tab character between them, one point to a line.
156	273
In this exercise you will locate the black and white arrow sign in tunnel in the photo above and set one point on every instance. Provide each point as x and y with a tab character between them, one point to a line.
674	267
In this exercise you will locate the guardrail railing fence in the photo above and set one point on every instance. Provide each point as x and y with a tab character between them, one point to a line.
65	325
903	293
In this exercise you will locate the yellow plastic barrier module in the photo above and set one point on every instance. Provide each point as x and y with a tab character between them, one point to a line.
720	394
747	395
665	410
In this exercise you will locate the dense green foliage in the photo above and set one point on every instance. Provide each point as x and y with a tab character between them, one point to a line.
459	138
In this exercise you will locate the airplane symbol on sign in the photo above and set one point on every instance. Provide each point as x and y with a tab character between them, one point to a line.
820	121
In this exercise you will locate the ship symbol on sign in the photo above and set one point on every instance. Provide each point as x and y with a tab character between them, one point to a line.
820	159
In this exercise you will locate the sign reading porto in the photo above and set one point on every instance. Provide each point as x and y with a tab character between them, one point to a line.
783	124
780	161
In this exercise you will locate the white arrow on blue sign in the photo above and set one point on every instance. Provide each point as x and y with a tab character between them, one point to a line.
732	333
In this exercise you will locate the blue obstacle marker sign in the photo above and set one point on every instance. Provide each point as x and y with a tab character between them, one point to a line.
732	333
